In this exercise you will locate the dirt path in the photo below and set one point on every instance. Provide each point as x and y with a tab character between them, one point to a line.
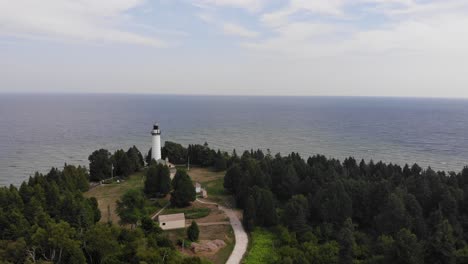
242	240
160	211
211	223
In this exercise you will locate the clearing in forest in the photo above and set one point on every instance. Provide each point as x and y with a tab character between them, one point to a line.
108	194
261	248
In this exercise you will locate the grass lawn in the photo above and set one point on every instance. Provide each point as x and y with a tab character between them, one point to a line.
190	212
223	232
261	249
203	175
108	194
213	182
222	256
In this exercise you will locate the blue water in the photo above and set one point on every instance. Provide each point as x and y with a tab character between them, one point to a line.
40	131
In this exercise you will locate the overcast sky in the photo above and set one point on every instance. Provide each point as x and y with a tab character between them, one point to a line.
242	47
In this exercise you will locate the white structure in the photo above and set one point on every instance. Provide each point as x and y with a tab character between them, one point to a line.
197	187
172	221
156	147
172	171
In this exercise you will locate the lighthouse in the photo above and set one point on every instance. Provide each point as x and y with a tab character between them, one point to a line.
156	147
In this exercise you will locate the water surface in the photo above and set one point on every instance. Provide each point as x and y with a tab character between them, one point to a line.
40	131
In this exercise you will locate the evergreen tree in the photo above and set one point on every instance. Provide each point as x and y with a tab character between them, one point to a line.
149	226
180	176
175	152
184	190
232	178
249	217
295	214
265	203
151	181
148	157
393	216
193	231
100	165
164	184
332	203
407	249
289	183
220	162
347	242
136	159
158	181
123	166
440	248
100	241
131	207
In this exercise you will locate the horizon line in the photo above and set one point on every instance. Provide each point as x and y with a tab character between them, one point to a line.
228	95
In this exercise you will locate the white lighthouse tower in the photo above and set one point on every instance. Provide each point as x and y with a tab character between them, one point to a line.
156	147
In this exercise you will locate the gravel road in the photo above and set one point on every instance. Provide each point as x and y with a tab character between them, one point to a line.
242	240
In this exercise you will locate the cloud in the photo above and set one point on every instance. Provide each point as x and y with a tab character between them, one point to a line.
405	26
228	28
208	18
85	20
237	30
280	17
250	5
326	47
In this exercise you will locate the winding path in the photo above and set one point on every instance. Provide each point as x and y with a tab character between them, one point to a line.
242	240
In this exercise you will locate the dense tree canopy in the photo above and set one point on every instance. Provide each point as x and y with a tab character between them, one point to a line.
158	180
100	165
42	219
48	220
184	190
136	159
361	212
320	209
131	207
123	166
176	153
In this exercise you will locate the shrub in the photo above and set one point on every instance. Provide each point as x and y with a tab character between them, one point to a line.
193	232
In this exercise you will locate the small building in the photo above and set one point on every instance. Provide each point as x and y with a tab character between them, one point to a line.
166	162
198	187
172	173
172	221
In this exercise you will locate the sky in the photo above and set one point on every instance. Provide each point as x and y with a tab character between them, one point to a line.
413	48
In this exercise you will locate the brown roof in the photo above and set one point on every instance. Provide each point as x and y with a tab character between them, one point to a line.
171	217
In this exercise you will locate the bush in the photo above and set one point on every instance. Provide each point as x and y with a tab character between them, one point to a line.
262	250
193	232
192	260
197	213
190	213
184	243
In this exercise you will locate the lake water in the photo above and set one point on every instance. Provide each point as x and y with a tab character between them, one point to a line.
40	131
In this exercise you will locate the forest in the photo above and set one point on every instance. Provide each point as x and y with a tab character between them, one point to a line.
48	220
322	210
317	210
